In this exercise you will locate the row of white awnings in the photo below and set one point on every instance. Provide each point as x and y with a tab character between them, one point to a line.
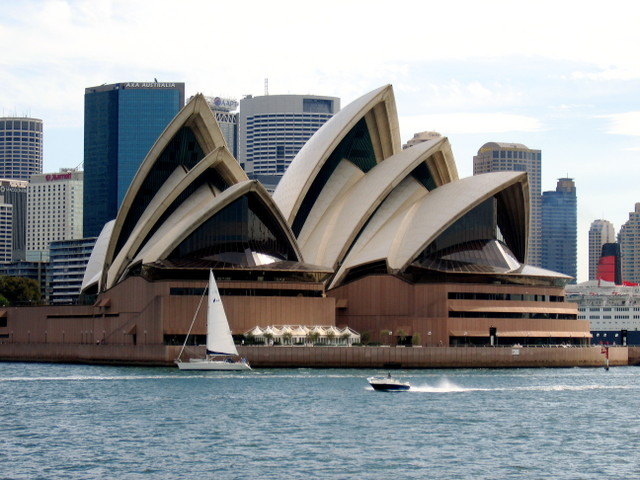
299	333
520	334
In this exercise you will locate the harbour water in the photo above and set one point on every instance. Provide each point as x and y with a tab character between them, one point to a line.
84	422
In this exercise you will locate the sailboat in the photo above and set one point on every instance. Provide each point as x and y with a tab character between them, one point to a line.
221	352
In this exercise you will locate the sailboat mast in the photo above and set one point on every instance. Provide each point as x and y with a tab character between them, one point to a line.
204	292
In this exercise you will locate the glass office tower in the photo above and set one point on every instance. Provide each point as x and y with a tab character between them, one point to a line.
121	123
560	228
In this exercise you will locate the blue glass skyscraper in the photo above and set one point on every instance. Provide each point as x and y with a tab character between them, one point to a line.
559	228
121	123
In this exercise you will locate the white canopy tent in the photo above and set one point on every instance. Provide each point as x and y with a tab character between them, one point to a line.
304	335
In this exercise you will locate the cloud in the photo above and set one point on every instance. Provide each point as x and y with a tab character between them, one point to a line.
627	123
473	123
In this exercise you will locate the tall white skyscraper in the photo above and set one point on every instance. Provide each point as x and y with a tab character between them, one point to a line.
54	210
600	232
273	128
495	157
20	147
629	239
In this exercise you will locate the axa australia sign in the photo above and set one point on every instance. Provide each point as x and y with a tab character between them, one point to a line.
153	85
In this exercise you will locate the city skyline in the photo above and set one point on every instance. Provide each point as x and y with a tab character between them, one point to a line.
565	84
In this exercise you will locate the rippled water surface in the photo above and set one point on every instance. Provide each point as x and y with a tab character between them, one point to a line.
79	422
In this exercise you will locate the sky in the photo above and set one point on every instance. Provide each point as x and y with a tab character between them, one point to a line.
559	76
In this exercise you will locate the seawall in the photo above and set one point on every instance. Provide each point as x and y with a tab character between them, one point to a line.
332	357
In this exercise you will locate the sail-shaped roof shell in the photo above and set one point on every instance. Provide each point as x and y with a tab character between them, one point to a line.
309	172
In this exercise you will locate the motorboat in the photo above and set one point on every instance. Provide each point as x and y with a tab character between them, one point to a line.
388	384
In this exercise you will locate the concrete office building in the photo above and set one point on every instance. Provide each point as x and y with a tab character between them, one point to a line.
629	239
497	157
121	123
560	228
14	193
273	129
20	147
600	232
54	210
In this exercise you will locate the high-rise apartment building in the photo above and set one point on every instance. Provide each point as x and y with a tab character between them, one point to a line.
560	228
121	123
54	210
273	128
67	263
20	147
14	193
495	157
629	240
600	232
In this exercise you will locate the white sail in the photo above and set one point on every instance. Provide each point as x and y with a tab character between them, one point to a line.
219	339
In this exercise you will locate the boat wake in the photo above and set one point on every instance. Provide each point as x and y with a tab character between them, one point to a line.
445	386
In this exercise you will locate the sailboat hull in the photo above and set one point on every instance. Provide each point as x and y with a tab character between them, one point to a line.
203	364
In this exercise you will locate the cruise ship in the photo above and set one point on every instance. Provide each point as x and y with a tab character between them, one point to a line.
613	311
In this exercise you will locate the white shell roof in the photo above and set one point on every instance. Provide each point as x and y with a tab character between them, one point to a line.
93	272
199	117
410	229
325	238
198	208
302	171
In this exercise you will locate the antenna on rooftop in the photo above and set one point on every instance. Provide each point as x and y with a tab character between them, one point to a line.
266	86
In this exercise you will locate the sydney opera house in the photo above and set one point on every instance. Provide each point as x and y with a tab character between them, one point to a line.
358	233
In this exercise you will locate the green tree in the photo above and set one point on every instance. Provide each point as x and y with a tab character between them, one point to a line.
313	337
385	336
415	339
19	291
330	337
